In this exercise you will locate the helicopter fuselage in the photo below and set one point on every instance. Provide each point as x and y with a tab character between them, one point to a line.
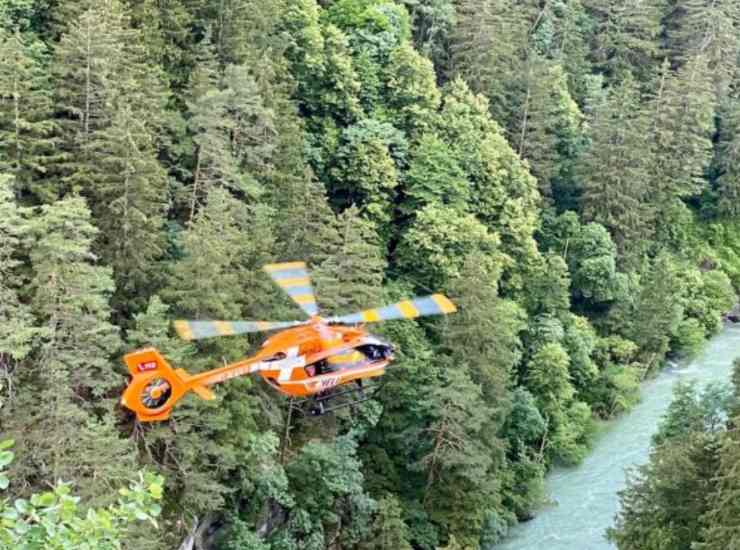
314	358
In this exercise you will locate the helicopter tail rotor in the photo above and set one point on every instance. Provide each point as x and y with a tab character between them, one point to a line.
155	386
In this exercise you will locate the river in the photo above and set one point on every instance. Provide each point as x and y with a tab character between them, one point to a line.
585	496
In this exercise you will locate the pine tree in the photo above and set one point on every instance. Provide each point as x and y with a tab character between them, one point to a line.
616	170
26	124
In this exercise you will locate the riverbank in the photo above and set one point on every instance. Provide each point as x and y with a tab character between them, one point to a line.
585	497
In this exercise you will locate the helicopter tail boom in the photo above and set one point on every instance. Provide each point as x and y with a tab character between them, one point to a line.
155	386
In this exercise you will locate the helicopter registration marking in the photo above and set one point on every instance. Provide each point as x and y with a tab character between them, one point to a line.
327	383
148	365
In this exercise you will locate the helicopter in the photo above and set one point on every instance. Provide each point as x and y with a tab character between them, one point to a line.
309	360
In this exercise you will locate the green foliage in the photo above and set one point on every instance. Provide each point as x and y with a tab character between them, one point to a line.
551	129
388	529
435	246
683	497
691	412
366	174
456	458
504	195
160	153
658	313
26	125
54	519
627	36
351	277
486	45
615	170
721	527
434	177
328	493
17	328
678	472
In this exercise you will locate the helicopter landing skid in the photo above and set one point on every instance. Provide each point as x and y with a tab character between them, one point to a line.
333	400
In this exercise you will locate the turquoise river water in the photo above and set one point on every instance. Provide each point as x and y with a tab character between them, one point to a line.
585	497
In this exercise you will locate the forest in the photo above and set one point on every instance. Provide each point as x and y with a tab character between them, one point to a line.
566	171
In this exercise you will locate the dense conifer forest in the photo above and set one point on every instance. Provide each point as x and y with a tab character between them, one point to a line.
567	171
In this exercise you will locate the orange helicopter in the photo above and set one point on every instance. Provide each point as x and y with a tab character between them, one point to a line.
308	359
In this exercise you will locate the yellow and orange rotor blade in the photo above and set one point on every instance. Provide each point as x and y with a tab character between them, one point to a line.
294	279
195	330
436	304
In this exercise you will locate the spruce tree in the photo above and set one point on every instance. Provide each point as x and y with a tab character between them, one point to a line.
209	125
707	29
616	170
210	281
456	459
487	44
682	127
86	66
727	157
114	114
351	277
26	124
550	135
67	429
627	36
658	311
722	519
17	328
130	196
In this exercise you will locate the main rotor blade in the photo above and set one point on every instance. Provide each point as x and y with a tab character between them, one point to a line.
436	304
294	279
195	330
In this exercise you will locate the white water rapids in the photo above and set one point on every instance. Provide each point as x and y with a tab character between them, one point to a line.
585	497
